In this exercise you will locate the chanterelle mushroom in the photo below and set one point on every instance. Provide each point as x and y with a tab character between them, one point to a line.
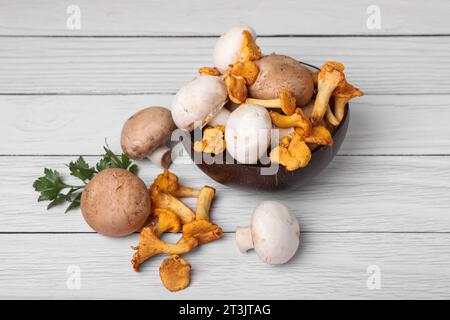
342	96
167	182
229	47
248	132
145	135
330	77
168	221
150	245
286	102
246	69
175	273
163	200
297	119
199	102
319	135
202	228
236	88
213	140
293	152
274	233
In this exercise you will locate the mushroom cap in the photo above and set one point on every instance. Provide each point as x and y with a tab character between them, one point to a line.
115	203
228	47
275	232
145	131
278	72
248	132
198	101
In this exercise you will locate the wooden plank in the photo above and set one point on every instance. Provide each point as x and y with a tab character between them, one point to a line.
354	194
154	65
54	125
102	17
328	266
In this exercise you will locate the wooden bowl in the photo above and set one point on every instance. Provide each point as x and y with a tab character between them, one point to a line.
249	176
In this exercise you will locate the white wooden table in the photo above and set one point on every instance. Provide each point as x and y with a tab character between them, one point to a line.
383	203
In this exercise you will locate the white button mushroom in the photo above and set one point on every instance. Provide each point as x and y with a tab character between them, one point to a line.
274	233
145	134
200	101
228	47
247	133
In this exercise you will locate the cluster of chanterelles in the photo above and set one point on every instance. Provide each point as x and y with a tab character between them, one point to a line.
230	101
172	215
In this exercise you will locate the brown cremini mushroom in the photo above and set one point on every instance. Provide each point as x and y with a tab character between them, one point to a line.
163	200
277	73
330	77
167	182
286	102
175	273
145	135
115	203
150	245
213	140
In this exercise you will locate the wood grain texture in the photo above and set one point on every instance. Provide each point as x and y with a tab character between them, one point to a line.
154	65
354	194
329	266
55	125
299	17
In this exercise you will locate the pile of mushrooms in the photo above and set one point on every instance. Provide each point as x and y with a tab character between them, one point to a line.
172	215
252	104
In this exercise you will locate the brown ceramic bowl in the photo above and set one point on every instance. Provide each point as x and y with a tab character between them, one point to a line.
249	176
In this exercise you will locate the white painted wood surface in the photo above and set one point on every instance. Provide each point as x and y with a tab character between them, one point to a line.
380	124
383	201
328	265
198	17
354	194
409	65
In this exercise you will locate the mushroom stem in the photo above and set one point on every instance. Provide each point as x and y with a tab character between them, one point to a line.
271	103
286	102
331	117
167	201
162	156
221	118
321	103
339	107
244	239
204	201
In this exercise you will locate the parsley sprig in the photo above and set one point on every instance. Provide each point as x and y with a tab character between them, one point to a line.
52	187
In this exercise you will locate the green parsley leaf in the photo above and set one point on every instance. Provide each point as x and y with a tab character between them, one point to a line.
51	186
81	169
